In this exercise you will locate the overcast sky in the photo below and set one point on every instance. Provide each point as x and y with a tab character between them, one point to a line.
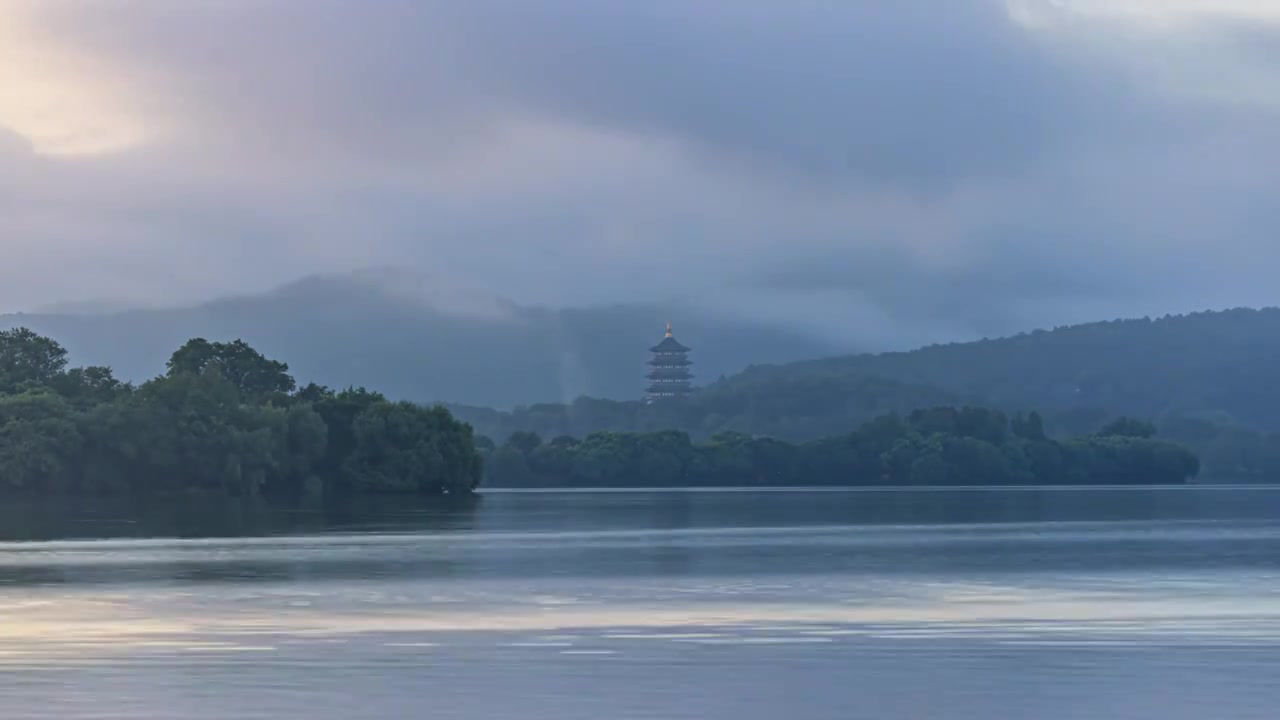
888	171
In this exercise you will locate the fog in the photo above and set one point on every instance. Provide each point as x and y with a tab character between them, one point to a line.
885	173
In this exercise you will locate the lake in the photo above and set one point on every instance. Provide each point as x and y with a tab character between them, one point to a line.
1054	604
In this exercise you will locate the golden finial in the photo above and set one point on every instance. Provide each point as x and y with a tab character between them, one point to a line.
668	329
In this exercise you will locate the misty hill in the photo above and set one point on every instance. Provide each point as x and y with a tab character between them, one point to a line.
1210	380
1223	366
792	408
418	338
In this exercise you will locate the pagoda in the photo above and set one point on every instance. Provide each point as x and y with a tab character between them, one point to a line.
669	374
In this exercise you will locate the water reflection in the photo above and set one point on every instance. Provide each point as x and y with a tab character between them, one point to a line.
1049	604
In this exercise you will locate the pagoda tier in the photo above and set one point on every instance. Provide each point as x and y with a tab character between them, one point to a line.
669	376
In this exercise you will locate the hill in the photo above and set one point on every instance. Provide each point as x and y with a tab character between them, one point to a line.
1223	366
1210	380
790	408
418	338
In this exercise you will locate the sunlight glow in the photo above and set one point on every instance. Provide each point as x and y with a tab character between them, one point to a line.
57	99
1199	50
1151	13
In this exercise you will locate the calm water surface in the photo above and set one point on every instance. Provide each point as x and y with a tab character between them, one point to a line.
974	604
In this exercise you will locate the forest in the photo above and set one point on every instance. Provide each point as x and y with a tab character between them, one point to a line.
936	447
222	419
1208	380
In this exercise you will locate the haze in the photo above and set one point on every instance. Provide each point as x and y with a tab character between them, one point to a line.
888	173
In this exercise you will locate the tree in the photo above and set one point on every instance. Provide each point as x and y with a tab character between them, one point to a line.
193	429
1030	427
219	421
254	376
88	386
300	452
38	442
1128	427
339	412
511	468
968	446
524	442
28	359
313	393
400	447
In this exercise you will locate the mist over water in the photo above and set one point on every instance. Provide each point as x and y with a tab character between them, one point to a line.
1063	603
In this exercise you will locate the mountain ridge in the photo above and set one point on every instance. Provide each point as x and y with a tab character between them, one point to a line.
417	338
1200	376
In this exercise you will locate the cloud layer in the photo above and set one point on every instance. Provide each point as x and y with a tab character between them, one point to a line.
888	173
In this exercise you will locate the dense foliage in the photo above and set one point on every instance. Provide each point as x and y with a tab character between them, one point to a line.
791	408
1229	452
1207	379
224	419
942	446
1214	365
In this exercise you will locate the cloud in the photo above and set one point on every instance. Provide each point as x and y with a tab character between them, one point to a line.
1162	14
916	92
888	173
13	146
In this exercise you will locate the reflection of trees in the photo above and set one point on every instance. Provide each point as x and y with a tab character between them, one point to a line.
220	517
398	514
26	575
48	519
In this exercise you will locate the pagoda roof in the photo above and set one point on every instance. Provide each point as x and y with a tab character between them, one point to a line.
669	345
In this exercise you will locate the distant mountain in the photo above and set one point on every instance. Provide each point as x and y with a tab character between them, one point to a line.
420	338
1211	380
100	306
1223	366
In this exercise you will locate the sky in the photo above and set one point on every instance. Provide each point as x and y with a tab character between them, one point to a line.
887	173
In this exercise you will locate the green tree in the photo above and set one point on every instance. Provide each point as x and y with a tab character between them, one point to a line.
253	375
219	421
38	442
401	447
967	446
1128	427
509	467
1030	427
524	442
313	393
28	359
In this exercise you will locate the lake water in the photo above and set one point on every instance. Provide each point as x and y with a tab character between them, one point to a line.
967	604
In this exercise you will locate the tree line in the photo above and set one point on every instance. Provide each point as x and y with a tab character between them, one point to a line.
935	447
801	408
1205	378
222	418
796	408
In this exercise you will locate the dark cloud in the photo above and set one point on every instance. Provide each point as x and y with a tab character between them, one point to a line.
915	91
888	172
887	91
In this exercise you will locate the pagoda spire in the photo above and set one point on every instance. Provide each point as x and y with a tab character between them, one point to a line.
669	375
